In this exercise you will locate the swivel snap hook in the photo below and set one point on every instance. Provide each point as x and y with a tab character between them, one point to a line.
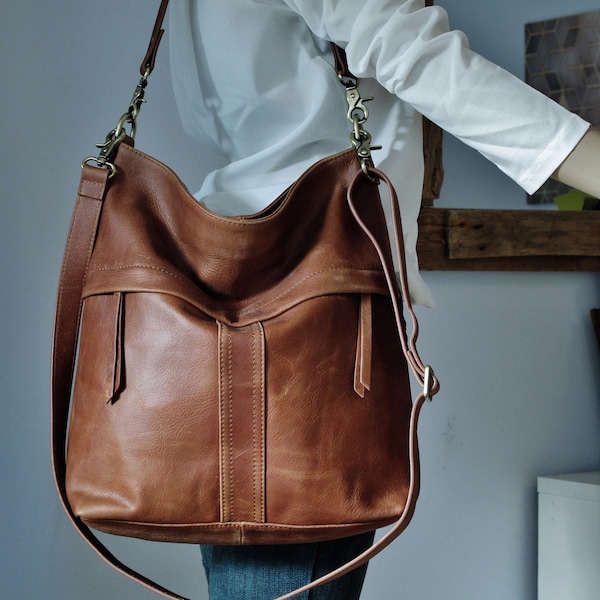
356	105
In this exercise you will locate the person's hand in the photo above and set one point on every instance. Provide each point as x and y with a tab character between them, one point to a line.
581	169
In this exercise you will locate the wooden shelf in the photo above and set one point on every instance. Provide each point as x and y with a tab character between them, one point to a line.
508	240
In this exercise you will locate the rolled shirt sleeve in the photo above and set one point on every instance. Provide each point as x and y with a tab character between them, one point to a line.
411	51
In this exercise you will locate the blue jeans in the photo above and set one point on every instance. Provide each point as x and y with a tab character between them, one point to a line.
267	572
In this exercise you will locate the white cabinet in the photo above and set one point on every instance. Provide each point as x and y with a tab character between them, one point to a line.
569	537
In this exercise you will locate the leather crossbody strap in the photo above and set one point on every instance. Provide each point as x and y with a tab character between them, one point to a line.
423	374
80	241
78	250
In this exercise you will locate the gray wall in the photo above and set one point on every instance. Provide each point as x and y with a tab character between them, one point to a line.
515	352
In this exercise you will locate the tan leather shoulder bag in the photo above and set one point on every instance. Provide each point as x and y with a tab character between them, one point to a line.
234	380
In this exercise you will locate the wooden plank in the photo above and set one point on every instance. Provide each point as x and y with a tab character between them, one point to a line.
508	233
433	164
432	156
432	249
431	243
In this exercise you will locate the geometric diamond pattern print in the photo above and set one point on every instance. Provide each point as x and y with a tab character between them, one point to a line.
562	60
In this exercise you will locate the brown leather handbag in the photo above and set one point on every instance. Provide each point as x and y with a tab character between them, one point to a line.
235	380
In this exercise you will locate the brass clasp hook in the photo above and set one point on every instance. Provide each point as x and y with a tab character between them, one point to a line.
114	138
361	140
356	105
357	114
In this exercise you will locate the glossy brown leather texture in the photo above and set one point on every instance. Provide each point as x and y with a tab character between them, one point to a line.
239	380
214	396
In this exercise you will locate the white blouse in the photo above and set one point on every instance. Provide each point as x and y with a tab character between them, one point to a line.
255	78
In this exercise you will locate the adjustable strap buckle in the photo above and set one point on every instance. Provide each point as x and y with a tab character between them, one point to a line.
428	383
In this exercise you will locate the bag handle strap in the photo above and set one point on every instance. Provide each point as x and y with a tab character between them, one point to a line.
147	65
80	241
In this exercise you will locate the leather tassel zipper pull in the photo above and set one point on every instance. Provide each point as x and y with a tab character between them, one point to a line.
364	344
118	362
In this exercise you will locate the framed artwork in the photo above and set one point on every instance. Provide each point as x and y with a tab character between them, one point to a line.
562	60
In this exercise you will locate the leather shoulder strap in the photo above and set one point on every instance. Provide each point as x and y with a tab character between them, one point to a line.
78	250
147	65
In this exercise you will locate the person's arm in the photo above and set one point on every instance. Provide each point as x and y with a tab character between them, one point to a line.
581	169
412	52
